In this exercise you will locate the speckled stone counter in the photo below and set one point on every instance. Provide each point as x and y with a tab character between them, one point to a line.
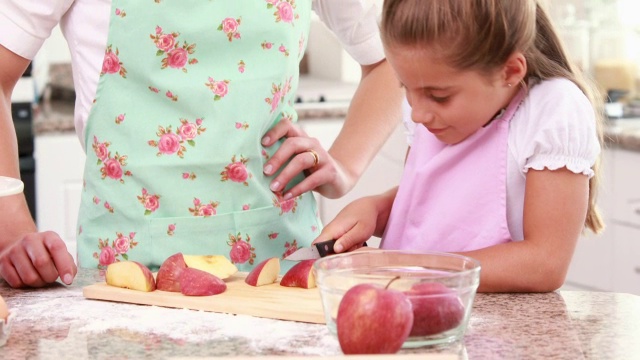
58	323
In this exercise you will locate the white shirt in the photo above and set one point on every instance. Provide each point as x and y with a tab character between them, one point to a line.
26	24
554	127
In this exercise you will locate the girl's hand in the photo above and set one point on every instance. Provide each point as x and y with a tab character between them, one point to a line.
323	173
354	225
37	260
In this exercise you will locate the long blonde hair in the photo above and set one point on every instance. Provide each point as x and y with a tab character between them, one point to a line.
480	35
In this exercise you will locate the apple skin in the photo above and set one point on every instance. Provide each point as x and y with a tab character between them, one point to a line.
130	275
265	273
300	275
194	282
373	320
168	277
436	308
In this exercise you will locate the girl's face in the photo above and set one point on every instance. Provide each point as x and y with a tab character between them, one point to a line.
452	104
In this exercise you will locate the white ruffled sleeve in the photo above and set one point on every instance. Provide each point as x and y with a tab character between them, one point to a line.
559	129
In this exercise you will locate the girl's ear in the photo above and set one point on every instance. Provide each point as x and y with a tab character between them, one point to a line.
514	69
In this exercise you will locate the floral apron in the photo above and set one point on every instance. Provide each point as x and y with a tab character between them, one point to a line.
453	197
174	160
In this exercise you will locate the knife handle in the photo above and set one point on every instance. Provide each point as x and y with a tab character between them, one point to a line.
326	247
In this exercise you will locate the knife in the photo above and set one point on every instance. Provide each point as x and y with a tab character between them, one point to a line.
315	251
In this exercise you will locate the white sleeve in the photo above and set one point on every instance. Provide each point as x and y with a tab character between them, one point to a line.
26	24
558	129
355	26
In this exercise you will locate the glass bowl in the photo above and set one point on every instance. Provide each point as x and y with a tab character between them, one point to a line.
440	286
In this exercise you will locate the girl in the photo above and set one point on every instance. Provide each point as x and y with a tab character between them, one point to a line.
185	111
504	143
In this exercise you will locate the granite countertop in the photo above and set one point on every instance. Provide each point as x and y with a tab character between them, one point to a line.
59	323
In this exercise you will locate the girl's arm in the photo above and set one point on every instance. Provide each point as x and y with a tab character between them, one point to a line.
554	215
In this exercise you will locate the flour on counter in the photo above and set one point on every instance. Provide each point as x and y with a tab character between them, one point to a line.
94	317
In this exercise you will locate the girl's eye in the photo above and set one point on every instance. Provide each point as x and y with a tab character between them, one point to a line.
439	99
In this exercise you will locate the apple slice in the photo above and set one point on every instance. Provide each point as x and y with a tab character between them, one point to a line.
217	265
264	273
130	275
194	282
168	277
300	275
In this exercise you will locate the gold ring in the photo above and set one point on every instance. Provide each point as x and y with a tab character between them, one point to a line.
316	158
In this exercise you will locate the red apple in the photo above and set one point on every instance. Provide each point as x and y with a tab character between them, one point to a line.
194	282
130	275
264	273
436	308
373	320
168	277
300	275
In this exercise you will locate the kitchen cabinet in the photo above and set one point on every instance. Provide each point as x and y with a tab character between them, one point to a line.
59	167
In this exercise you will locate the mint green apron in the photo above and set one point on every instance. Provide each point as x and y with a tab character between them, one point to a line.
174	160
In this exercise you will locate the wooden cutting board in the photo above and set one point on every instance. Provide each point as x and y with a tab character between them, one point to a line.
269	301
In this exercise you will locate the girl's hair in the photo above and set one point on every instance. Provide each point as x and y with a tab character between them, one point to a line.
480	35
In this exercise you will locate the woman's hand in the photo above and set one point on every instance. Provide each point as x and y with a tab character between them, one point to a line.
37	260
305	153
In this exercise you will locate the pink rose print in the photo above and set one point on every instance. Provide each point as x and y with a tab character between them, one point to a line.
175	56
150	202
245	207
219	88
285	205
120	119
189	176
96	200
101	150
283	50
121	13
265	154
173	143
242	126
236	171
278	92
188	131
169	143
266	45
171	96
290	248
154	89
206	210
110	253
171	229
108	207
241	66
285	10
301	46
273	235
241	250
229	26
112	64
107	256
314	228
111	166
121	244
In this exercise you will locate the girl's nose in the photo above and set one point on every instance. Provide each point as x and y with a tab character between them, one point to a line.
421	114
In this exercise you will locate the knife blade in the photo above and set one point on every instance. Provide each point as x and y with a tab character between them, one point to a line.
314	251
